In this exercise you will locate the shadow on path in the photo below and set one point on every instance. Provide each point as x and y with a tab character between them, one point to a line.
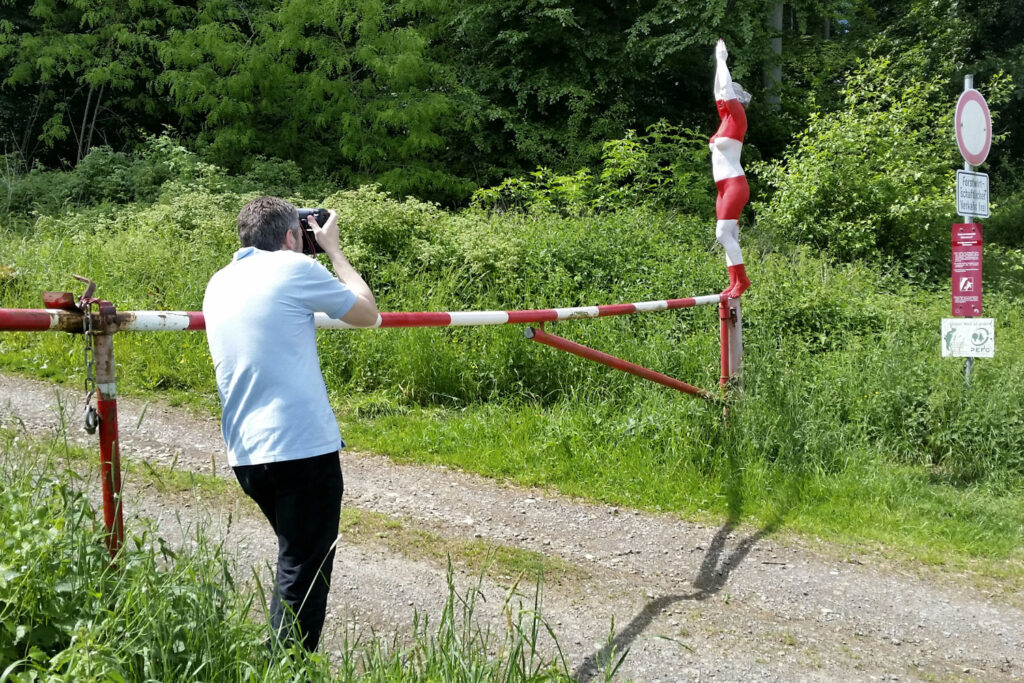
713	574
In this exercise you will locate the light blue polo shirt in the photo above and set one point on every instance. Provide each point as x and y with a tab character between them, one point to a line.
259	325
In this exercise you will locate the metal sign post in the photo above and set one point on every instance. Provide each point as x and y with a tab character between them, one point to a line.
973	124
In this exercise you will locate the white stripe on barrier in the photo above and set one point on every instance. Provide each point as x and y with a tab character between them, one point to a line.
157	321
707	299
577	312
478	318
646	306
325	322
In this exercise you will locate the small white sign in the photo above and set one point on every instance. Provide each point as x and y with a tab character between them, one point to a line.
972	194
968	337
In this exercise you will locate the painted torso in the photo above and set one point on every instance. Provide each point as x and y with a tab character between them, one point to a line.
727	143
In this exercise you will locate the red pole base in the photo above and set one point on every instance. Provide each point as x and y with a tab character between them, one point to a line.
725	316
110	474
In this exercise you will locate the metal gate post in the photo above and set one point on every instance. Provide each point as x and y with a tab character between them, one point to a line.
106	406
731	345
736	345
724	338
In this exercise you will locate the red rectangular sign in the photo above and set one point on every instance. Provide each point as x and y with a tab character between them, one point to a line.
967	269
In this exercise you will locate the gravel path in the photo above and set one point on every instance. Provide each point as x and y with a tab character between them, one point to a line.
689	603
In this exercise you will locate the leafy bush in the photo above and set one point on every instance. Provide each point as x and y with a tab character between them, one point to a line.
102	176
874	179
667	167
1006	224
274	177
161	166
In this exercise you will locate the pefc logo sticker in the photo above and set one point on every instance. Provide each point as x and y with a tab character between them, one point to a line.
968	337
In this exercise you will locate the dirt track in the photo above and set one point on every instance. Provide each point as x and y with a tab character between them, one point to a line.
689	602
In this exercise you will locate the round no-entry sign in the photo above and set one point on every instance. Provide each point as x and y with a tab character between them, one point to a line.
973	127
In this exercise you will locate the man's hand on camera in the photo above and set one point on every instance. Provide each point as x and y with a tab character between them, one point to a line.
364	311
327	236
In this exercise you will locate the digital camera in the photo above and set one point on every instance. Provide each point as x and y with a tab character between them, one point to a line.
309	243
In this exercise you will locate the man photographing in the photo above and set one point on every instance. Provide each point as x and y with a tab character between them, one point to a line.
281	434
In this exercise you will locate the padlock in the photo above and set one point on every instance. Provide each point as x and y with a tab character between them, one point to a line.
92	420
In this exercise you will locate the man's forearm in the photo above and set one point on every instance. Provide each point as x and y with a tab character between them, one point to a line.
349	277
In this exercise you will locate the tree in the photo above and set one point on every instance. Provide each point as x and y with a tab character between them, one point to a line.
346	86
81	70
872	179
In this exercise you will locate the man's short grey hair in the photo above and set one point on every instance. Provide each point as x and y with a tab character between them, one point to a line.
263	223
742	95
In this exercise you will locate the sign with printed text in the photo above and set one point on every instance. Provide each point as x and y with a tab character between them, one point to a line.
966	269
972	194
968	338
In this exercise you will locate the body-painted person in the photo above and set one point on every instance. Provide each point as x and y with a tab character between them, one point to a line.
733	192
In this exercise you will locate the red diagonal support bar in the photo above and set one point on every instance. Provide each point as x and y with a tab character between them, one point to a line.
572	347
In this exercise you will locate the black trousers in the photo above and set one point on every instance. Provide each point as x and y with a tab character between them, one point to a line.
302	501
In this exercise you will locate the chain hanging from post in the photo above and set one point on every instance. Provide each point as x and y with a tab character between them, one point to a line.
92	419
85	303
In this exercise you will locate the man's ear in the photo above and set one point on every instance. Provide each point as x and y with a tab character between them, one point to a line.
291	241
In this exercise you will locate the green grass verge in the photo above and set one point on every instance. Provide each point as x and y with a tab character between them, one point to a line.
868	504
853	426
160	613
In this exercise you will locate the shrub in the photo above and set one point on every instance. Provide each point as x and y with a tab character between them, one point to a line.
161	166
873	180
667	167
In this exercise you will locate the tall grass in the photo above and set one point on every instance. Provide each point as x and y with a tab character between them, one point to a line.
847	397
452	651
173	614
157	614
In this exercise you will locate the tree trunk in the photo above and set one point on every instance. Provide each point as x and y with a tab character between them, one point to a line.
95	111
81	131
23	150
773	72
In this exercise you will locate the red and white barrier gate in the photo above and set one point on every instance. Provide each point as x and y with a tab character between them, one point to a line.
63	313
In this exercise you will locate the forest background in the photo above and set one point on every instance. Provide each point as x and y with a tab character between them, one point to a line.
437	98
518	154
534	153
